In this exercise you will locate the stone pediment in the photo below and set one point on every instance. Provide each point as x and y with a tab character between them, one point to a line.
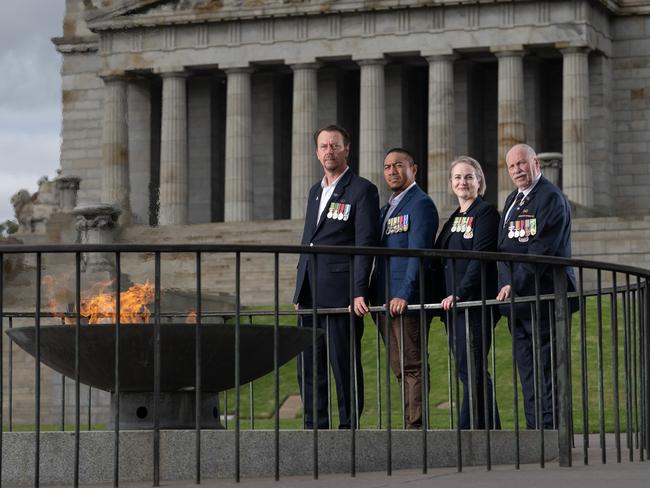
122	14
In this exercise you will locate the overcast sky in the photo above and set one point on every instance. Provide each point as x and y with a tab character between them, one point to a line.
30	95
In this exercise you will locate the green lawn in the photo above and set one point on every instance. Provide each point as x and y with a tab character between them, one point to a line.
439	392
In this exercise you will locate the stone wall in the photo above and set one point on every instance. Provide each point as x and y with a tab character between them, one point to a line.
631	114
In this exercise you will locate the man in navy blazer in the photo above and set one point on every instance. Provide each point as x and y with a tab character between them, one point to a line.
536	220
409	220
342	210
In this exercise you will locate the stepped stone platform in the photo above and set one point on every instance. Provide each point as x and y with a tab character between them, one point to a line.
178	462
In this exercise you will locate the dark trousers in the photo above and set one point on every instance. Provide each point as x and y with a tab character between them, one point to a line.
474	362
522	335
409	327
339	358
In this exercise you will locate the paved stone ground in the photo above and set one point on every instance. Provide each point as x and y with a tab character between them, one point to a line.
626	474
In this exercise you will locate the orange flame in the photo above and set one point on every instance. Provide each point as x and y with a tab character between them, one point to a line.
99	307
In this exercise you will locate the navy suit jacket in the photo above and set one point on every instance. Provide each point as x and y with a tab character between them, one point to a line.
421	233
360	229
546	207
467	272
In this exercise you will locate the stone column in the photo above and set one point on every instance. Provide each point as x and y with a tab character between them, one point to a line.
67	188
577	181
239	164
173	150
96	225
440	152
512	126
115	142
305	169
372	124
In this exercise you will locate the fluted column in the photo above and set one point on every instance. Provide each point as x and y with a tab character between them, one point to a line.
238	204
440	150
115	141
173	150
305	169
577	182
372	123
512	126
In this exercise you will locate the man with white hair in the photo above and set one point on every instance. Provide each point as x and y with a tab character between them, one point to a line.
536	220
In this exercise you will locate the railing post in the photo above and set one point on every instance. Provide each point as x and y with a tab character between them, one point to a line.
562	317
646	363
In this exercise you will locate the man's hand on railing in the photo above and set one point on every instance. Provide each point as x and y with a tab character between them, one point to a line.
296	306
360	306
397	306
448	303
504	293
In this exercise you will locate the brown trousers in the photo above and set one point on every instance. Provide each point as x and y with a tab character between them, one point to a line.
412	362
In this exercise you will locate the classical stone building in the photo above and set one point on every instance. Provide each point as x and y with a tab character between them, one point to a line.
196	111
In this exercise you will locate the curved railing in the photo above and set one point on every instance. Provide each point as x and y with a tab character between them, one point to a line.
621	345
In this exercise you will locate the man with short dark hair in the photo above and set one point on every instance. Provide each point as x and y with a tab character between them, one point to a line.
408	221
536	220
342	210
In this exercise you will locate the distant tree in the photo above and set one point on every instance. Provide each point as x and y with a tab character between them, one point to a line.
8	227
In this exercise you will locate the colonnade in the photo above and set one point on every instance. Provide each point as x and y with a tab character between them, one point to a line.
305	170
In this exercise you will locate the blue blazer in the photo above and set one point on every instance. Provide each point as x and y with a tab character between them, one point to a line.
360	229
545	216
422	216
483	237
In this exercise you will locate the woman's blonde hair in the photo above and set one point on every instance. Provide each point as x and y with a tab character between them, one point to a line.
477	169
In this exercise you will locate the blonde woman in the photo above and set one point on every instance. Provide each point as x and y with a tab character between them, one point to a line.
473	226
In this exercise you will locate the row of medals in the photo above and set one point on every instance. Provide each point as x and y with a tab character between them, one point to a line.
339	211
522	228
463	224
397	224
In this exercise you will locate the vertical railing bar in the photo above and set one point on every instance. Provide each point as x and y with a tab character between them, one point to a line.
302	378
613	309
225	410
494	368
487	421
540	394
156	374
387	341
513	319
276	365
198	378
11	380
314	364
251	391
400	348
116	393
354	421
88	413
627	366
583	367
62	419
424	361
77	383
459	446
378	371
601	391
645	387
328	372
551	328
636	322
471	383
2	323
237	365
450	349
561	319
37	375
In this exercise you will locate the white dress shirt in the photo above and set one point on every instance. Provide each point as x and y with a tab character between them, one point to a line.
326	194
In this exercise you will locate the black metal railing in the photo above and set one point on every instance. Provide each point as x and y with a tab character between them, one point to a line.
598	289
